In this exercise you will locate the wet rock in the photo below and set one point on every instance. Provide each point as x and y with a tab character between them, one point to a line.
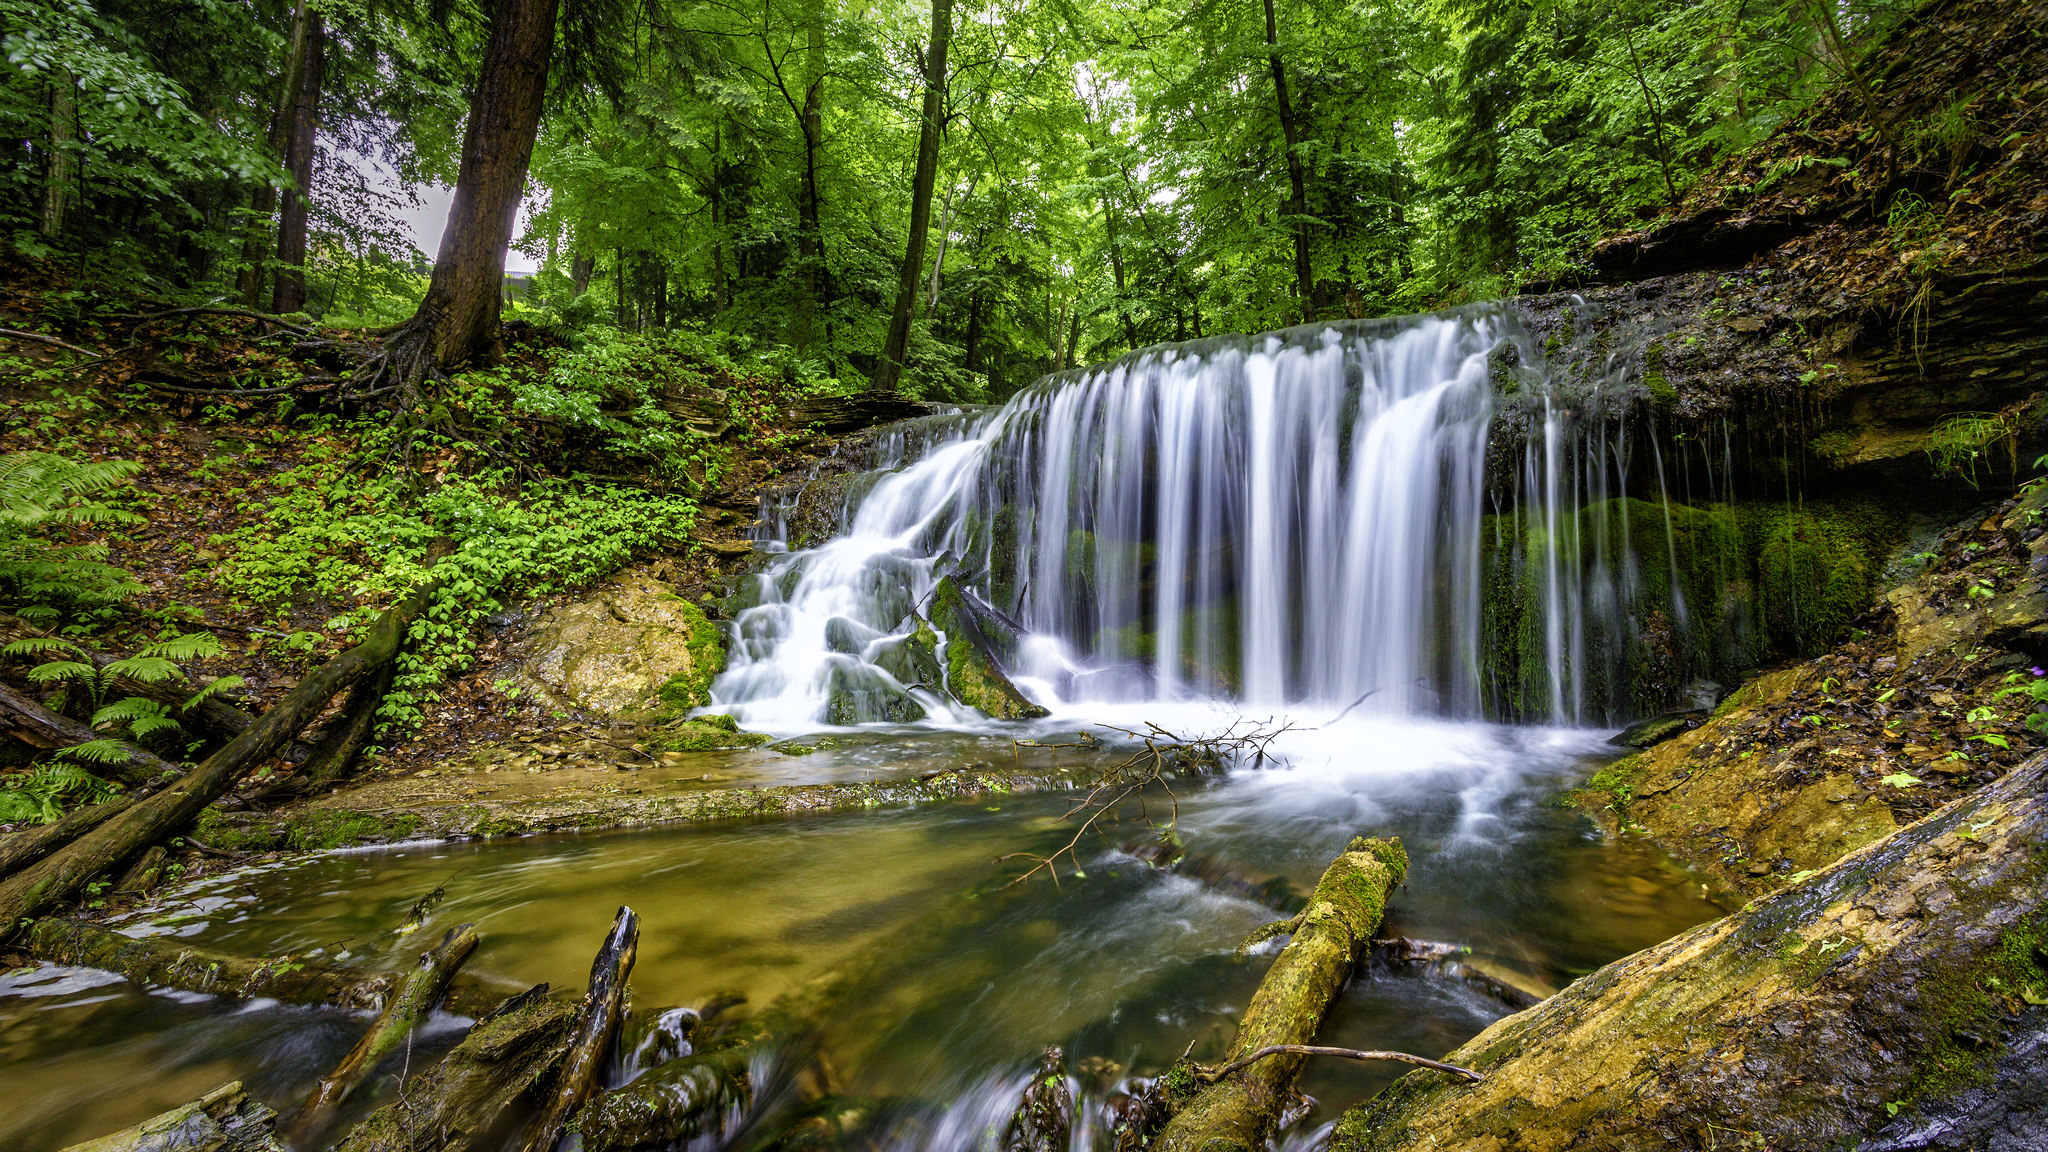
1657	729
913	659
223	1120
633	645
848	637
1045	1116
1907	982
858	694
978	641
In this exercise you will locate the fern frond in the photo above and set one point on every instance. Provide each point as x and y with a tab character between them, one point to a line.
196	646
219	685
96	752
61	671
148	669
128	710
37	645
146	727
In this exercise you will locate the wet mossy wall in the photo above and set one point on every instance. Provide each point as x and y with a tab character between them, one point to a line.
1658	600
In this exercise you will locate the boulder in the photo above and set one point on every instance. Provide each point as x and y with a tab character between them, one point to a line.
913	659
634	645
1657	729
1898	998
856	693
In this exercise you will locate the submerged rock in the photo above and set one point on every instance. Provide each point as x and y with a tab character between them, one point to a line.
858	694
633	645
1901	984
978	642
912	659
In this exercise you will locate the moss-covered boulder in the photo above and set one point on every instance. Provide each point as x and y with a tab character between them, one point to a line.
978	643
1902	990
913	659
859	694
631	646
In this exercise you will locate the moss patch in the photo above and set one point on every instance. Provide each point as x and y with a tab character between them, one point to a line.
319	830
704	734
222	830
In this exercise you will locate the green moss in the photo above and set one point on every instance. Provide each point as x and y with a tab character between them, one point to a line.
691	688
222	830
1662	395
1805	961
321	829
704	734
1973	1002
492	826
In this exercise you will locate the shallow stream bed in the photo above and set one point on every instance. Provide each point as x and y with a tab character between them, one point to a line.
952	979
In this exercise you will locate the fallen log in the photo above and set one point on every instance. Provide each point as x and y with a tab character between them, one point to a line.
335	755
1450	960
1044	1119
1331	934
597	1024
29	845
167	962
38	727
151	821
674	1101
473	1100
223	1120
1892	1000
213	715
417	994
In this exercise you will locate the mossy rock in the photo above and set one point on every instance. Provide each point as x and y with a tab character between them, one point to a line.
974	676
632	647
323	828
704	734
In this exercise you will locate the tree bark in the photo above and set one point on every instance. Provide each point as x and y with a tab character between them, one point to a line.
58	172
289	293
39	727
889	366
468	1101
811	122
597	1024
26	847
671	1103
263	200
1297	177
416	997
223	1120
170	963
162	815
1330	936
463	299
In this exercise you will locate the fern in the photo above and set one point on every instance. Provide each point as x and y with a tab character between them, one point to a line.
42	495
37	797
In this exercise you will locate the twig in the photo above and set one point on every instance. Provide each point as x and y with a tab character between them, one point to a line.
40	338
1210	1076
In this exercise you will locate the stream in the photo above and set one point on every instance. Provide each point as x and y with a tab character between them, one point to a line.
957	980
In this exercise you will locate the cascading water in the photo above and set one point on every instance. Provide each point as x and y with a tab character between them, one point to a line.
1289	518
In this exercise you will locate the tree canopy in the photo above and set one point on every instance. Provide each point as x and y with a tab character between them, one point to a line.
1101	174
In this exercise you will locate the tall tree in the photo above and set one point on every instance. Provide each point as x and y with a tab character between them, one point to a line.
263	199
464	298
289	294
889	366
1297	177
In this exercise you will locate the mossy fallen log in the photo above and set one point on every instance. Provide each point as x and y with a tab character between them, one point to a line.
335	756
113	843
29	845
38	727
1239	1111
673	1102
168	962
223	1120
590	1041
1902	989
1044	1119
477	1096
406	1010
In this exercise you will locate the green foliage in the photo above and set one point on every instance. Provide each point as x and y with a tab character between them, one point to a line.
39	796
43	576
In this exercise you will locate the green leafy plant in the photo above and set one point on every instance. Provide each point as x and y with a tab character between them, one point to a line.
43	496
38	796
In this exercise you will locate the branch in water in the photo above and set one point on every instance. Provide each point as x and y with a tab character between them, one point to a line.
1209	1077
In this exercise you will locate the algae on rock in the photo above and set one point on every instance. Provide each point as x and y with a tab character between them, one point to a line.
978	643
633	645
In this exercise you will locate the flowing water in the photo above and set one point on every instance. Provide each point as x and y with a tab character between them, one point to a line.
1296	528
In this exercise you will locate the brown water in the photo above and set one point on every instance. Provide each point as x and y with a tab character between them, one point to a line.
950	982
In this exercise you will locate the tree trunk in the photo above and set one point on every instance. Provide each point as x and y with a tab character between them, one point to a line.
580	267
810	237
1241	1109
407	1009
58	173
262	201
889	366
469	1100
171	963
597	1024
223	1120
29	845
39	727
463	299
1297	177
289	295
164	814
672	1103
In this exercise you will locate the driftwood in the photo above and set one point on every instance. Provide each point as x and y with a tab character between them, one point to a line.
213	715
165	961
674	1101
1330	936
1044	1119
38	727
161	816
223	1120
417	994
1211	1076
472	1100
29	845
597	1024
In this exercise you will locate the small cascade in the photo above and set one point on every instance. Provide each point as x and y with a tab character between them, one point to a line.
1423	515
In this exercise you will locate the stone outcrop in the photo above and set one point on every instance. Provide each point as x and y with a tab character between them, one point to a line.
1897	998
632	646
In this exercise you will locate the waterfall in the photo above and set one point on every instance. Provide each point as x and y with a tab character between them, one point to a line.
1280	519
